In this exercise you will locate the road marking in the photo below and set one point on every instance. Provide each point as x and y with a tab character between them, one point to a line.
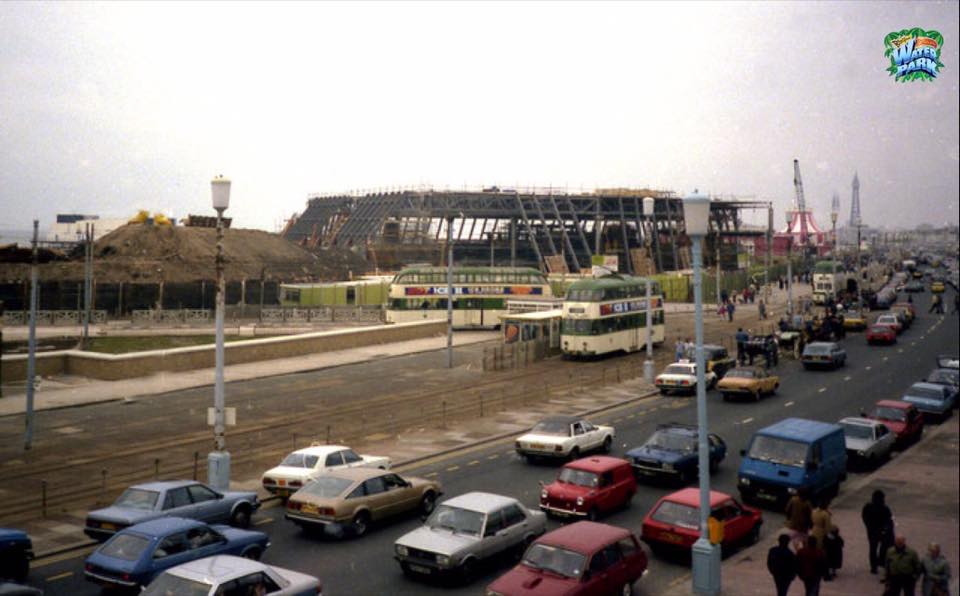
746	421
263	521
510	452
473	463
868	367
847	378
629	416
821	390
788	404
913	343
453	468
494	456
900	351
59	576
885	358
431	475
615	420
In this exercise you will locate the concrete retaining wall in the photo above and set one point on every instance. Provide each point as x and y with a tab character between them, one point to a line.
112	367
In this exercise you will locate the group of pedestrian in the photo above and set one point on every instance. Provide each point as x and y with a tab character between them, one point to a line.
681	348
817	551
749	346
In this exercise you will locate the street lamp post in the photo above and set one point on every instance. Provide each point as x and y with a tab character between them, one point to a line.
218	460
789	267
705	554
449	292
833	251
649	203
31	343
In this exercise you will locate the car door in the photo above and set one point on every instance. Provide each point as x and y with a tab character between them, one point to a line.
579	437
250	584
603	569
177	503
333	461
885	439
377	498
351	459
170	552
606	492
735	524
718	449
400	496
494	541
208	505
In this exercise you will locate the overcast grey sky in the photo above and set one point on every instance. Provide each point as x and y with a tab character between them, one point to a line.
107	108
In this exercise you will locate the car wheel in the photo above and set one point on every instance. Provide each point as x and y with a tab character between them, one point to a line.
252	553
360	523
241	517
714	466
607	444
775	387
725	396
756	395
407	571
754	536
468	570
574	453
628	502
428	502
593	514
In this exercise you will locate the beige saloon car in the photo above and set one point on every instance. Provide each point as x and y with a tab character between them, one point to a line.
349	500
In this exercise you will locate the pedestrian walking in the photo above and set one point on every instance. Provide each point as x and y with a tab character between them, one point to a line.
782	564
772	351
799	519
956	303
722	310
878	520
811	566
679	349
762	309
730	309
833	545
821	521
780	282
936	304
936	572
741	338
903	569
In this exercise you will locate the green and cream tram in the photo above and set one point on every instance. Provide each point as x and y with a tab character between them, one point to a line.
608	314
480	294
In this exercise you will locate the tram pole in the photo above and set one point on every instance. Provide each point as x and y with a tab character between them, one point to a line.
648	206
450	292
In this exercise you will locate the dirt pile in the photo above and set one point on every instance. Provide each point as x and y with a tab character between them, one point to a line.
147	253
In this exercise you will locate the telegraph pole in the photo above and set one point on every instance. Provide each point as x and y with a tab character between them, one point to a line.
31	343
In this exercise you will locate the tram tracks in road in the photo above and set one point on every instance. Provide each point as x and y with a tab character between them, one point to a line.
78	482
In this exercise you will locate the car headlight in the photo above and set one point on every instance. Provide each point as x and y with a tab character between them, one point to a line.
792	491
579	501
558	448
443	560
668	467
402	550
745	481
861	453
544	495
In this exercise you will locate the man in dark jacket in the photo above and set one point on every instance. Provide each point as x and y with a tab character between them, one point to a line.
811	566
782	564
879	522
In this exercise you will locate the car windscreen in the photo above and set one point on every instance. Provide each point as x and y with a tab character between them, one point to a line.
857	431
678	369
555	559
327	487
879	329
300	460
138	498
578	477
168	585
943	376
669	441
457	520
777	450
552	427
128	547
885	413
817	349
677	514
740	373
925	392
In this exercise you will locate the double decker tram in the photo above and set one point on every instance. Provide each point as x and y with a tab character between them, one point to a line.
608	314
480	294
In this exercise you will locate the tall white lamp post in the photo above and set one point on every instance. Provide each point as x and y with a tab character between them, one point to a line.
705	555
218	460
649	203
789	267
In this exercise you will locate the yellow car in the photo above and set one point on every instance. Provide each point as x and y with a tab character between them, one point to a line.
747	381
854	321
937	287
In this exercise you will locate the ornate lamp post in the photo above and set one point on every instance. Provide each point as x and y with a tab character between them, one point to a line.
218	460
706	556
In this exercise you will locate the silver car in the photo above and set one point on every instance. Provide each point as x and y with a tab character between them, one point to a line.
226	574
868	441
464	531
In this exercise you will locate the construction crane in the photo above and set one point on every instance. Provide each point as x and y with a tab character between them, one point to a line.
801	204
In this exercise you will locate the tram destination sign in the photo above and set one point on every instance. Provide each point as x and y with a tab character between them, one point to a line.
475	291
617	308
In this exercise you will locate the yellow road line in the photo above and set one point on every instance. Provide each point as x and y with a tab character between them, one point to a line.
494	456
431	475
59	576
453	468
821	390
473	463
263	521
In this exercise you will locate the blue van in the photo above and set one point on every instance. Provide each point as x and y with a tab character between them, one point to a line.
791	456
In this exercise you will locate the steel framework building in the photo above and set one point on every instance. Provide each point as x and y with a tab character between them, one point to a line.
543	227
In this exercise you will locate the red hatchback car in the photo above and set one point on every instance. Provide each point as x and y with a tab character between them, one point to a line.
881	334
581	559
901	417
673	525
588	487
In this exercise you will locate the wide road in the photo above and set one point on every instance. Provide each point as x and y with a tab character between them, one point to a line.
365	566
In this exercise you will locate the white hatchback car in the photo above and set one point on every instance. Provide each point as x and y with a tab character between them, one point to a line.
303	465
868	441
564	437
681	377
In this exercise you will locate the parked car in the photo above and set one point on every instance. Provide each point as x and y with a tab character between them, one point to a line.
580	559
903	418
947	361
823	354
352	499
717	359
935	402
853	320
748	381
908	310
673	523
303	465
914	287
891	320
681	377
947	377
226	575
173	498
16	552
564	437
790	456
135	555
465	531
671	452
868	442
881	334
588	487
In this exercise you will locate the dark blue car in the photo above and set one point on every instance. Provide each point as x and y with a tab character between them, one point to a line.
672	452
16	550
135	555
